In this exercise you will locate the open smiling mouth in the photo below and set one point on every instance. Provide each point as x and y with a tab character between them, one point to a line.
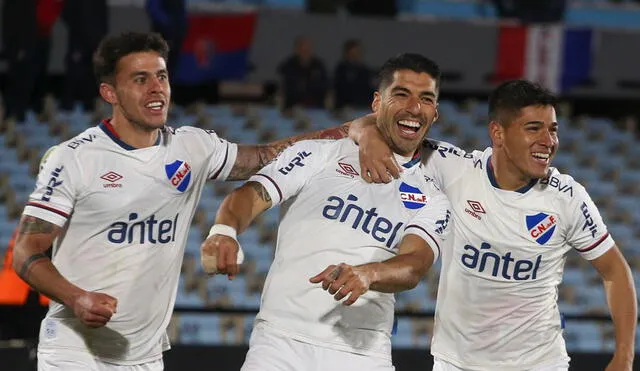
409	127
155	105
541	158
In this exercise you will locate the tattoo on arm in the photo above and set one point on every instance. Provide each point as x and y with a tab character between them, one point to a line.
268	152
33	225
262	193
250	159
28	263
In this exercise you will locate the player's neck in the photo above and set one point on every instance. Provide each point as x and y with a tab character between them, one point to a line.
132	134
505	173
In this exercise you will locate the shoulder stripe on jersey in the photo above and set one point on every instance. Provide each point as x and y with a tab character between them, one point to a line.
425	231
274	183
596	244
48	208
224	163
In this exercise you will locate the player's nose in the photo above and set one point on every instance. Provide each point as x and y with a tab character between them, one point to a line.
155	85
414	106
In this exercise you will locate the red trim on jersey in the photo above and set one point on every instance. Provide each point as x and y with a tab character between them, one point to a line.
48	208
274	183
108	126
224	162
589	248
425	231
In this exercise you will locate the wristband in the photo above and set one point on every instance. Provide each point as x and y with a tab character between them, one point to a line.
223	230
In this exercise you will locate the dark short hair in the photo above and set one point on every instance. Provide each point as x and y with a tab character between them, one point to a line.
114	47
511	96
349	44
408	61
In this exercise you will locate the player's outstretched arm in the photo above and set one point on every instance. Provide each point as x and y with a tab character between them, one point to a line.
35	236
220	250
621	297
252	158
402	272
377	163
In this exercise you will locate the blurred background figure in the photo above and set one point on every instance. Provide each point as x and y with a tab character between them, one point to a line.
304	77
26	40
169	19
352	80
87	23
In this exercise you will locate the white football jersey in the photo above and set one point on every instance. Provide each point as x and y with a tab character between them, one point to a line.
335	217
497	298
126	213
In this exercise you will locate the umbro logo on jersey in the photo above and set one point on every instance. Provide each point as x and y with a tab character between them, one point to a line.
412	197
179	174
347	169
475	208
112	177
541	227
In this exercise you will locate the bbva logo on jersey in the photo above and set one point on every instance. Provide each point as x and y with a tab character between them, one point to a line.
179	174
412	197
541	227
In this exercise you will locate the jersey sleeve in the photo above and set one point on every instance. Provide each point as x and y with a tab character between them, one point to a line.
285	176
57	188
445	163
221	154
431	222
587	232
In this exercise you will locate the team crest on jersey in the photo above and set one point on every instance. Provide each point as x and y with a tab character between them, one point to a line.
412	197
541	227
179	174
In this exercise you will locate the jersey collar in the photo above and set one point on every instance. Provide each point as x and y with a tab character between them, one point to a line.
494	182
108	129
409	163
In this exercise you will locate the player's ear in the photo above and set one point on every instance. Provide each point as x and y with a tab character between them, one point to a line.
435	117
108	93
375	105
496	133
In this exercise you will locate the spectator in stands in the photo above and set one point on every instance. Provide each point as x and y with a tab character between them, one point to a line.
87	23
516	220
304	77
169	19
27	44
352	79
299	326
116	265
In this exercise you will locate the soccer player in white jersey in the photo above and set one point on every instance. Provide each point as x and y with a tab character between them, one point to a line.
118	201
515	219
361	242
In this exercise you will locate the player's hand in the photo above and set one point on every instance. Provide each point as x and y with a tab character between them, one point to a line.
94	309
619	364
220	255
343	279
377	162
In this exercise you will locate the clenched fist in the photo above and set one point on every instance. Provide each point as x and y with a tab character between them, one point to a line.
94	309
221	254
